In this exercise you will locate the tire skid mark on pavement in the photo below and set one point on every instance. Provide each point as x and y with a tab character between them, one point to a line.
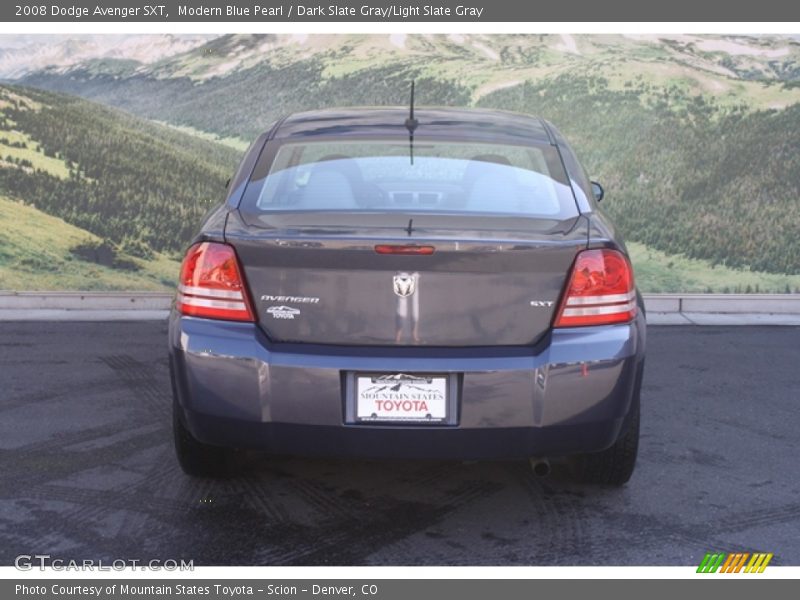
77	540
749	427
759	517
330	505
560	519
261	497
83	537
226	531
146	485
48	467
143	487
645	533
60	440
40	362
192	490
43	467
65	391
336	541
156	480
165	479
352	542
138	377
681	455
82	511
636	532
305	541
111	500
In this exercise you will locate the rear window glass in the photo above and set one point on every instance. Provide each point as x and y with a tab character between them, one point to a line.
333	175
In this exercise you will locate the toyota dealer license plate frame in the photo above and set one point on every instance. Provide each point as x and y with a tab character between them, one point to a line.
401	398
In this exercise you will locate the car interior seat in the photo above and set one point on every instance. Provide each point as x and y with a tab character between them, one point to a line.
490	188
332	184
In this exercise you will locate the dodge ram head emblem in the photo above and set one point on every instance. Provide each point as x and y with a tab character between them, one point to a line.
405	284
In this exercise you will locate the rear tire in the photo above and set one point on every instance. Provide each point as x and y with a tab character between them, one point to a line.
196	458
615	465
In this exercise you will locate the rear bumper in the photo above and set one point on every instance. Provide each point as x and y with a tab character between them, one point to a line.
571	393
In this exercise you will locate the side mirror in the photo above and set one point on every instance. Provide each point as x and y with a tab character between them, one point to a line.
598	191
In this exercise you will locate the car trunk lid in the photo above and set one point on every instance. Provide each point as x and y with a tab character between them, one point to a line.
490	281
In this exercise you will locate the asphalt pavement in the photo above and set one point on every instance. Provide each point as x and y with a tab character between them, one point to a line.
87	469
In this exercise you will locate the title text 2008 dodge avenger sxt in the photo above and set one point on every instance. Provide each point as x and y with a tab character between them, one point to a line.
439	286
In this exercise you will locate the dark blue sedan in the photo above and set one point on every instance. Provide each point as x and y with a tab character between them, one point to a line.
435	286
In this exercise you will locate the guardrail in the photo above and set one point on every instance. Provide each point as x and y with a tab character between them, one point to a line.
774	304
85	300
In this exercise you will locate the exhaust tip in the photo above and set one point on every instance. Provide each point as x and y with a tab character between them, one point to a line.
540	466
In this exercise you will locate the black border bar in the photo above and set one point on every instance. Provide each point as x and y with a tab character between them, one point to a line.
412	11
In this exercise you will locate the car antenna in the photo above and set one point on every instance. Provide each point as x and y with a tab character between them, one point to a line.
411	125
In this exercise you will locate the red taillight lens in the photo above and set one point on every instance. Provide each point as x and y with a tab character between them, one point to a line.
212	285
600	290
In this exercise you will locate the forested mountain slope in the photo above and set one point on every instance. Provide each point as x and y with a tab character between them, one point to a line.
695	137
125	179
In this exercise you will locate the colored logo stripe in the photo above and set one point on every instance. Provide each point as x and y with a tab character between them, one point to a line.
711	563
734	562
758	563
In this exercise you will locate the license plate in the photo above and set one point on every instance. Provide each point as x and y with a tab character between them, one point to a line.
401	397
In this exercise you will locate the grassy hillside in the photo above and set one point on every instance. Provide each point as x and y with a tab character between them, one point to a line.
135	183
697	139
658	272
36	254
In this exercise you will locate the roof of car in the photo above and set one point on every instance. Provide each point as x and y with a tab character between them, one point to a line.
460	123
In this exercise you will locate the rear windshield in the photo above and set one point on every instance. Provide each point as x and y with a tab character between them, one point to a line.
436	176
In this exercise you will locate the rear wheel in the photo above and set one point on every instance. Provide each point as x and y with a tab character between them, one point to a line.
614	466
196	458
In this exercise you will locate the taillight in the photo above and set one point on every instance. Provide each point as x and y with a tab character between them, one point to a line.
600	290
212	284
